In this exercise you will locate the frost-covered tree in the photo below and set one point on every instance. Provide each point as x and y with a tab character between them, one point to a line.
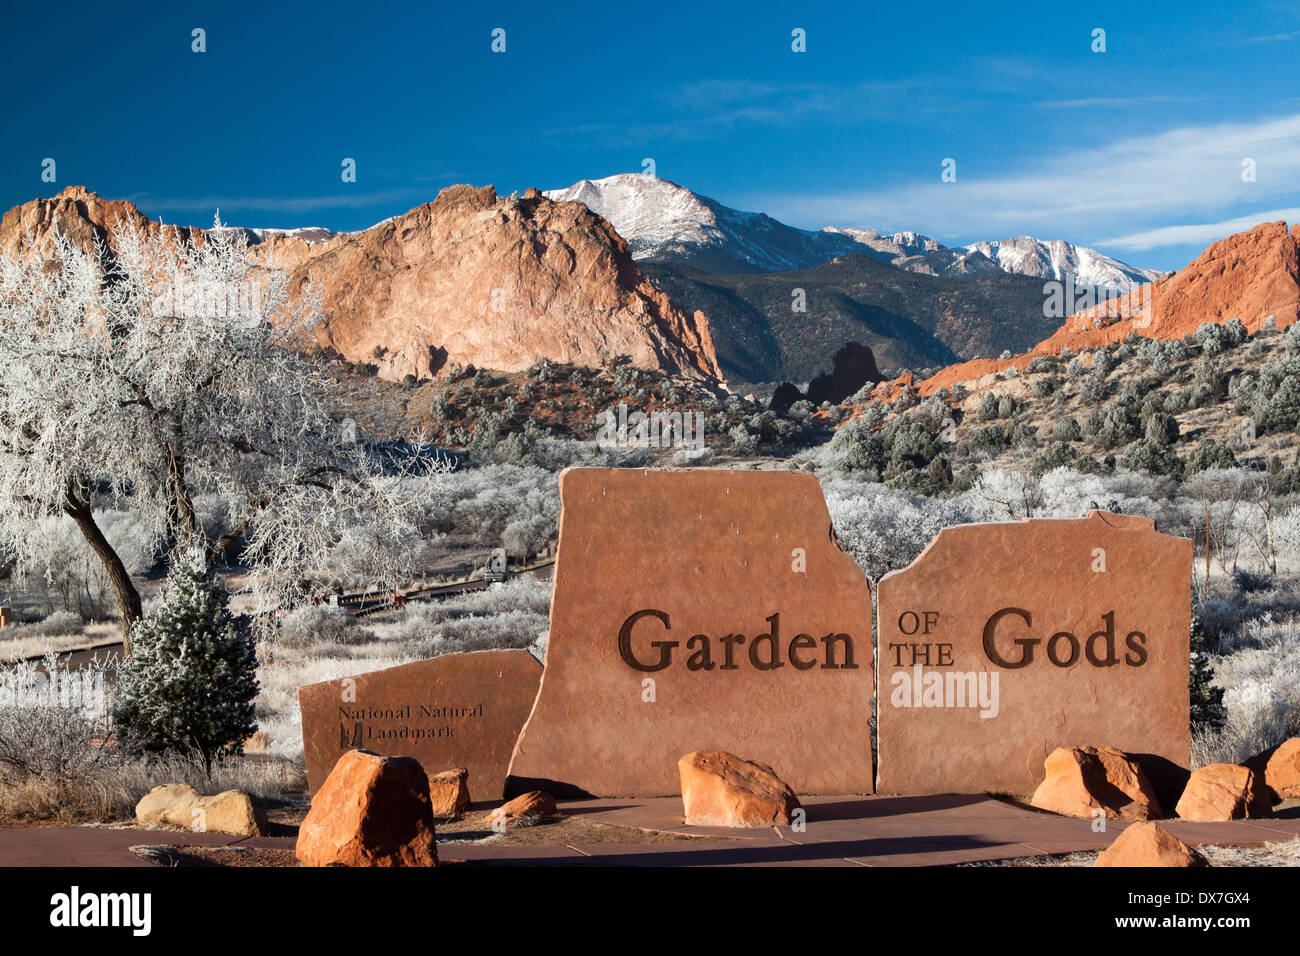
154	369
190	684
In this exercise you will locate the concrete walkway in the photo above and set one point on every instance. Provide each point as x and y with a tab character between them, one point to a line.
840	831
861	831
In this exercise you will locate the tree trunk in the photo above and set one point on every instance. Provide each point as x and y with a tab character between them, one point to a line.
128	598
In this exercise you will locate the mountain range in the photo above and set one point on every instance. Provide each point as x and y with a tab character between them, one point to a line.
665	222
1252	276
503	282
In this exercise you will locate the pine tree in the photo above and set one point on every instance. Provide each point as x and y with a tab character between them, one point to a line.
1208	711
190	683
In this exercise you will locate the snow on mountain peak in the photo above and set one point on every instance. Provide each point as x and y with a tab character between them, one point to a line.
662	220
1056	258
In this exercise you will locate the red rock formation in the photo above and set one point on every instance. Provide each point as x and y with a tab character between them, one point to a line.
532	806
1249	276
371	811
499	283
1224	791
449	792
469	278
1280	768
1078	781
76	212
722	790
1148	844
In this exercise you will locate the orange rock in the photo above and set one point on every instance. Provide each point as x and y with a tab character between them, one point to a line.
1224	791
449	792
371	811
77	213
1148	844
1081	780
722	790
497	282
523	810
1280	768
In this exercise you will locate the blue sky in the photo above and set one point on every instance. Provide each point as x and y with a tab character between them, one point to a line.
1136	150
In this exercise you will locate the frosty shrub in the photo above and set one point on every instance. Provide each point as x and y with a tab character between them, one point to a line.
1092	388
58	624
882	528
1261	693
526	536
58	566
1275	398
310	626
189	686
1059	454
510	614
1067	429
152	370
485	501
1000	495
1212	338
52	721
1152	457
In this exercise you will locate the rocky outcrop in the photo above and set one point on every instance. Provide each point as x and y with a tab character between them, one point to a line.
449	792
473	278
470	278
1224	791
1079	781
524	810
370	811
786	394
1148	844
1280	769
854	366
722	790
77	213
1251	276
180	805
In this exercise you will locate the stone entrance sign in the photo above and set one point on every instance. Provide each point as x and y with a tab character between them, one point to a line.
1002	642
458	710
699	610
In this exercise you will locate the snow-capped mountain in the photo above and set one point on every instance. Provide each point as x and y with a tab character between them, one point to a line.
1055	259
305	233
663	221
900	245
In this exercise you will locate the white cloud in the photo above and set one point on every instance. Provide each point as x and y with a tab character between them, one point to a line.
1133	186
1201	233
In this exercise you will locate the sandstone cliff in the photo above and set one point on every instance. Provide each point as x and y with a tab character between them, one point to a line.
75	212
468	278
